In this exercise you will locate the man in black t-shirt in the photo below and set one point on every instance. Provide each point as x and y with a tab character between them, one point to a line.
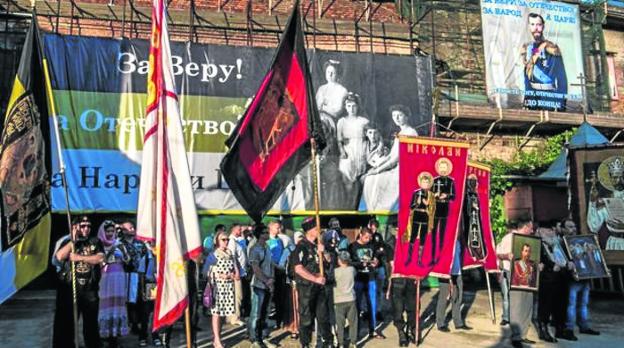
365	257
312	298
87	256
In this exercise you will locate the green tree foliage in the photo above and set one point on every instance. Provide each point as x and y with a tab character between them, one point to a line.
524	163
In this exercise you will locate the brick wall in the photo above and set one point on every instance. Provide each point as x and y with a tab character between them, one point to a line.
615	45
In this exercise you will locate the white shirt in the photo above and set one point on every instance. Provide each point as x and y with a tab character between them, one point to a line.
239	254
504	247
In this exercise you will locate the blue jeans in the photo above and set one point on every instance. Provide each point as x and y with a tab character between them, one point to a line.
371	300
504	284
581	287
257	317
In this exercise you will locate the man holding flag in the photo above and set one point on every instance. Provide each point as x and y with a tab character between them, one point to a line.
166	210
274	140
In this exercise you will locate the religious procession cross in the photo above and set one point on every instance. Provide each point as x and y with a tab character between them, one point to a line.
583	85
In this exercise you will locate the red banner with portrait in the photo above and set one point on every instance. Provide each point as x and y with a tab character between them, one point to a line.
432	174
476	228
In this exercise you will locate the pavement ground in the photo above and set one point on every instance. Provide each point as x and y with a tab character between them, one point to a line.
26	321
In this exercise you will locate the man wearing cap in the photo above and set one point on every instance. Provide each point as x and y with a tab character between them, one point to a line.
310	282
87	255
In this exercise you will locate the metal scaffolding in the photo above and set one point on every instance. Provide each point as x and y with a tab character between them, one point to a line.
449	30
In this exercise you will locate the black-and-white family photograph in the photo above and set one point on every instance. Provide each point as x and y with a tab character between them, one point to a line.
364	104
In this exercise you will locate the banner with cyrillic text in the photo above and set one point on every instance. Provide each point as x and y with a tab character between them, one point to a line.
100	95
533	54
432	182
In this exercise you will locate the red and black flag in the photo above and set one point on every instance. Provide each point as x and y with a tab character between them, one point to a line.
271	143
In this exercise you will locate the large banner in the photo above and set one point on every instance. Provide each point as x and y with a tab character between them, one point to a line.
597	193
477	231
533	54
432	178
100	93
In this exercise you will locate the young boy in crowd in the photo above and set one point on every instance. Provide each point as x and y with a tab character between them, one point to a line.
344	299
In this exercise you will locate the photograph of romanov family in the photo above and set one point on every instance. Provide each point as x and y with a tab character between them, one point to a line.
363	106
525	265
589	262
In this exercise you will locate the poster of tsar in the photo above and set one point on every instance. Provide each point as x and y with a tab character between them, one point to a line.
533	54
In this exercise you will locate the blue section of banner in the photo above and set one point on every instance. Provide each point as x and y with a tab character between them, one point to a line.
7	276
98	180
69	57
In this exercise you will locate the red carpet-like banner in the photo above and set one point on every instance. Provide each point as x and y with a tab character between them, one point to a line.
432	176
477	230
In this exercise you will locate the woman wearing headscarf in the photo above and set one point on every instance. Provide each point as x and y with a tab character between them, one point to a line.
112	315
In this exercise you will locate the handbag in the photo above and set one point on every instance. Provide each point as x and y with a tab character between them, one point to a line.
208	298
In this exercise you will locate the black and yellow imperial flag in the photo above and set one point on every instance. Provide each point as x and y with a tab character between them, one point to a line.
272	142
24	173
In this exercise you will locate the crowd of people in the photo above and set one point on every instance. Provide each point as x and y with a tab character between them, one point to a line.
560	302
266	279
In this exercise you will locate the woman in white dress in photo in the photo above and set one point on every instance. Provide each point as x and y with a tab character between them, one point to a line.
381	191
352	146
330	96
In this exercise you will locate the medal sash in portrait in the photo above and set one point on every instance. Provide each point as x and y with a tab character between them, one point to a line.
432	175
476	227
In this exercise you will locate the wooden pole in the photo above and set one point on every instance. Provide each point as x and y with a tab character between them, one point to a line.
59	151
490	297
417	312
187	325
315	191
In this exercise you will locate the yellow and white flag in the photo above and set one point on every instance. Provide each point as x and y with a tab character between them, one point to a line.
166	209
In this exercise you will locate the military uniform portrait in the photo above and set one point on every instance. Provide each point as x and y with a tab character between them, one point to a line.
533	55
525	265
444	192
422	211
545	80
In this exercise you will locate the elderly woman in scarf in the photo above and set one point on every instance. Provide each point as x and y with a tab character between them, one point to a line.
112	316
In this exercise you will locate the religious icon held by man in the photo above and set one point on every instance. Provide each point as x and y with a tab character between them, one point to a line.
525	266
585	253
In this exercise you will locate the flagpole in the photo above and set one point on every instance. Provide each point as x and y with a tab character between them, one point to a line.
417	333
316	199
65	190
187	322
490	297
